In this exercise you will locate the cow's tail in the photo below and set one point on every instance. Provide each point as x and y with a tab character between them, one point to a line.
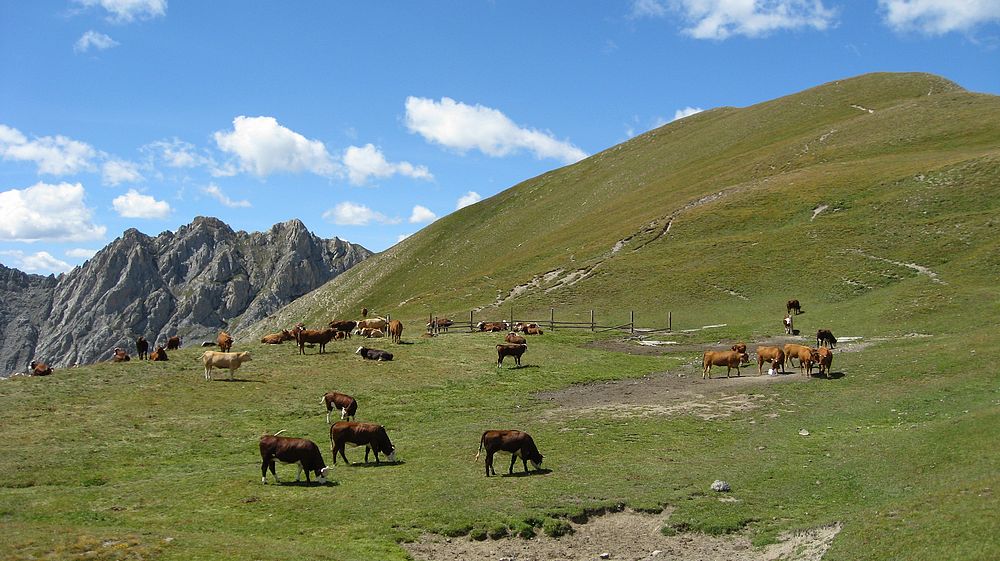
279	432
482	442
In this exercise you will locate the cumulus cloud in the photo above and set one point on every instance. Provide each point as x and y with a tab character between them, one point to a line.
176	153
44	212
686	112
81	253
353	214
40	262
422	214
465	127
116	172
467	199
368	161
127	11
262	146
94	40
54	155
937	17
721	19
216	193
136	205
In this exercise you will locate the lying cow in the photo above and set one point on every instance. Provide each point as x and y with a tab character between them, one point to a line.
289	450
522	327
119	355
373	323
533	330
373	354
514	338
277	338
370	435
729	359
771	355
510	349
492	326
215	359
824	338
159	355
344	403
371	333
36	368
518	443
825	361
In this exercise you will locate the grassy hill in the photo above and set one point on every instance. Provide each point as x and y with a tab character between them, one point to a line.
880	219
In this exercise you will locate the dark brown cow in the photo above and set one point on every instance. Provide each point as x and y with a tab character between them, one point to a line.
772	355
515	339
729	359
36	368
395	330
277	338
225	341
825	361
824	337
522	327
343	326
173	343
793	305
342	402
290	450
141	347
373	437
159	355
518	443
322	337
442	324
119	355
510	349
492	326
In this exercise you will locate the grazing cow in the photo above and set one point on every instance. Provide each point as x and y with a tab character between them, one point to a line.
303	336
344	403
225	341
442	324
373	323
290	450
807	358
142	347
373	354
514	338
159	355
510	349
789	330
533	330
370	435
277	338
729	359
215	359
793	305
825	361
395	330
343	326
173	343
824	337
119	355
518	443
772	355
36	368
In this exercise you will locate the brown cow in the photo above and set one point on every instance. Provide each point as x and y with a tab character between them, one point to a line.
142	347
442	324
343	326
371	323
793	305
807	357
289	450
372	436
518	443
740	347
303	336
729	359
395	330
119	355
173	343
36	368
772	355
344	403
225	341
514	338
825	361
508	349
159	355
492	326
533	330
522	327
277	338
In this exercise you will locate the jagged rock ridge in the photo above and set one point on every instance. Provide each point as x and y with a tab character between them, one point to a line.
193	282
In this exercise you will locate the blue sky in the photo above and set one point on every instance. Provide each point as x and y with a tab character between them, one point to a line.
368	120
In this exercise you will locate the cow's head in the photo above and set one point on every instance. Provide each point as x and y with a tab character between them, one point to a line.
392	453
536	460
321	475
359	351
245	356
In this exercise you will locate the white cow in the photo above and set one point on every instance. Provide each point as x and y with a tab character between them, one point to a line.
216	359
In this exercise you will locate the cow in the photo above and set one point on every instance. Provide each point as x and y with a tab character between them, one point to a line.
395	330
344	403
364	312
119	355
173	343
522	327
141	348
787	322
370	435
341	335
793	305
772	355
207	343
277	338
343	326
225	341
825	361
510	349
290	450
518	443
372	323
216	359
442	324
741	348
371	333
729	359
533	330
514	338
807	357
373	354
36	368
792	351
824	337
303	336
492	326
159	355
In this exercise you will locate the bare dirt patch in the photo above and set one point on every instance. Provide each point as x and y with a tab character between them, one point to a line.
627	535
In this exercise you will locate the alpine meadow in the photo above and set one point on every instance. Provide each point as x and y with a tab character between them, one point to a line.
871	200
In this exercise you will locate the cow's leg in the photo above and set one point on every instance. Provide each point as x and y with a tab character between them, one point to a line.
341	447
231	371
298	472
513	458
328	415
343	414
525	461
760	366
367	449
263	470
499	360
489	463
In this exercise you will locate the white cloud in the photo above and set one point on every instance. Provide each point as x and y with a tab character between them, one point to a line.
115	172
721	19
81	253
47	212
262	146
402	237
94	40
54	155
467	199
422	214
216	193
368	161
464	127
175	153
937	17
686	112
127	11
40	262
353	214
135	205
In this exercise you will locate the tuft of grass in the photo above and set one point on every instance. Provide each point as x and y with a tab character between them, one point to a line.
555	527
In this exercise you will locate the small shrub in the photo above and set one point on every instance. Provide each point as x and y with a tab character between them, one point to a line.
498	531
523	530
479	534
457	530
556	528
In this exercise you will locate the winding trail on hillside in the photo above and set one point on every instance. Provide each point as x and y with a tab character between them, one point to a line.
918	268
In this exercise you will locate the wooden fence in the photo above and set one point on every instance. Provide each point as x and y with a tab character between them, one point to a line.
551	323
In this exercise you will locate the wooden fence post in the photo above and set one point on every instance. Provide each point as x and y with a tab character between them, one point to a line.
512	317
631	320
470	319
591	320
552	319
670	321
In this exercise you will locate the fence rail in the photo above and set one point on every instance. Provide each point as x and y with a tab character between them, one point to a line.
433	323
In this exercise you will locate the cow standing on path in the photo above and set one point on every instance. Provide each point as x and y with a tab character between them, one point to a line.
729	359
